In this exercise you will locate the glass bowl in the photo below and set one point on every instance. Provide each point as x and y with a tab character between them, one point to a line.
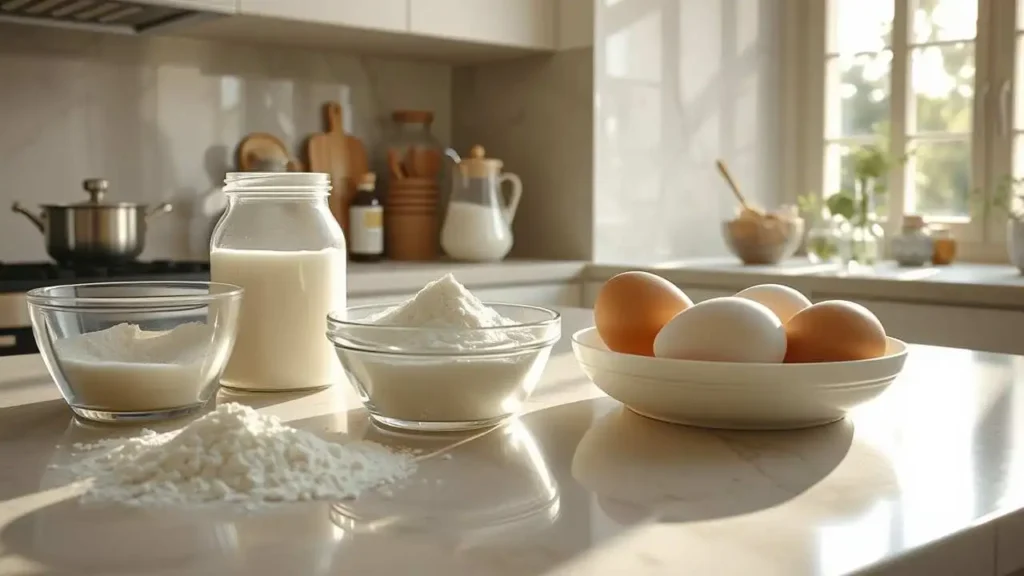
133	351
444	379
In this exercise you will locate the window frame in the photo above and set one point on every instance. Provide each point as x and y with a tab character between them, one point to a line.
805	74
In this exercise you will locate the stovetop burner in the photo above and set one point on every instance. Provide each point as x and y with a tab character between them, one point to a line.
24	276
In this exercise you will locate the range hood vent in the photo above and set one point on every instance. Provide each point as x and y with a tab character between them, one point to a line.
96	15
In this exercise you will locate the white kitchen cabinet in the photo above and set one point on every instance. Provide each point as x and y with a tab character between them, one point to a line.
521	23
389	15
568	294
695	294
984	329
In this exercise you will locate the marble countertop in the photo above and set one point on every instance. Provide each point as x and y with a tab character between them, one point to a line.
927	479
976	285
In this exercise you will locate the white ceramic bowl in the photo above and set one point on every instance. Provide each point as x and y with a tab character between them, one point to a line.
736	395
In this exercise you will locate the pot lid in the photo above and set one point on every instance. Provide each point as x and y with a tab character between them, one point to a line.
477	165
96	188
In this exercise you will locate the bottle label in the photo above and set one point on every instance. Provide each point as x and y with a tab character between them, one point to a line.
366	230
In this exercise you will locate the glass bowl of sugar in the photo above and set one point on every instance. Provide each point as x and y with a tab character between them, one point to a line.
443	360
135	351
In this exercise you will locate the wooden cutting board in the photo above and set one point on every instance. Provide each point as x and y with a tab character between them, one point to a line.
328	153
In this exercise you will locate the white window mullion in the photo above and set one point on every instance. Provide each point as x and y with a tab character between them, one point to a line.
998	86
899	113
977	231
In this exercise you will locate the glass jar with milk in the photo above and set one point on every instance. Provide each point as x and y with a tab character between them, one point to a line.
279	241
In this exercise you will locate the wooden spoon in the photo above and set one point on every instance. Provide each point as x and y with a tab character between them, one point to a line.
724	171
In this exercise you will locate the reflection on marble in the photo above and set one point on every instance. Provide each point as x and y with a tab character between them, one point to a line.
161	117
679	84
922	481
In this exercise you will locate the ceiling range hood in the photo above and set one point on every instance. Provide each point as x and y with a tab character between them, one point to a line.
117	16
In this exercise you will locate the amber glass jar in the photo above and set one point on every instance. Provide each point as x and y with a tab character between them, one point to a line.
944	246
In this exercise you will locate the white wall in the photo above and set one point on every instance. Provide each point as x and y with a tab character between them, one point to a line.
678	84
536	114
161	117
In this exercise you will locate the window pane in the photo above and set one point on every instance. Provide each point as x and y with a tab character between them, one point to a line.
942	84
858	95
941	179
838	169
859	25
944	20
839	175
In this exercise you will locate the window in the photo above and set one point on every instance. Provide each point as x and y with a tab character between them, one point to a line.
935	82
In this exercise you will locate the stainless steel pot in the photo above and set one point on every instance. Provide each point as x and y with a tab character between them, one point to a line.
93	231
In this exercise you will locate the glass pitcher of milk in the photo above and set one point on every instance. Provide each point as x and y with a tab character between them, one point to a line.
478	224
278	240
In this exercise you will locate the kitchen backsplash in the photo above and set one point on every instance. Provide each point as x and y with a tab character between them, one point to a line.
160	118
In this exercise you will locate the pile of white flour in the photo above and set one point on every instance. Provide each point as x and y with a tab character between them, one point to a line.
443	303
459	319
234	454
126	369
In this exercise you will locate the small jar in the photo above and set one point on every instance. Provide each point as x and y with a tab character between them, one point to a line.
944	250
366	222
279	241
914	245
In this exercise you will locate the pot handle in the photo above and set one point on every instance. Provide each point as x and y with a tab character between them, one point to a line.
161	208
36	220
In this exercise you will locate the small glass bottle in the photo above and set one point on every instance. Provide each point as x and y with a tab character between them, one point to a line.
279	241
366	222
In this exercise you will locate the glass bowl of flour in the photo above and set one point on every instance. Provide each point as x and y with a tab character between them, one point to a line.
443	360
135	351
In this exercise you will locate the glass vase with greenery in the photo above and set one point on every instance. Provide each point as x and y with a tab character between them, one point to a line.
825	238
856	207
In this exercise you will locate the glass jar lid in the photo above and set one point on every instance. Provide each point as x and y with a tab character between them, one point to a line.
277	182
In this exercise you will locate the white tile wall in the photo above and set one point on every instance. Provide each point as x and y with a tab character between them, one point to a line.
678	84
161	117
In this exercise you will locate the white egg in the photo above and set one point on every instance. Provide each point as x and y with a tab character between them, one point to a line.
784	301
726	329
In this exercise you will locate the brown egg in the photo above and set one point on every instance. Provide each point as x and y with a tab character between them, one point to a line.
834	331
631	309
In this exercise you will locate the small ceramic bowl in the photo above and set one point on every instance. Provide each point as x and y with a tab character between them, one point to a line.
736	395
763	240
